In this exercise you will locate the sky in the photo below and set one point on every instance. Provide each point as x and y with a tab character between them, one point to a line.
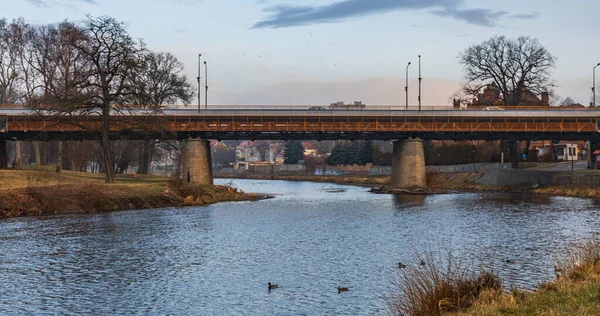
314	52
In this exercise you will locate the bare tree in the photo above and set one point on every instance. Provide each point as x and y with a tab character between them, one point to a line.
159	82
9	65
512	65
59	72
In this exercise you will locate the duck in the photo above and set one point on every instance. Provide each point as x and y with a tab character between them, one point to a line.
401	265
342	289
272	286
422	262
511	261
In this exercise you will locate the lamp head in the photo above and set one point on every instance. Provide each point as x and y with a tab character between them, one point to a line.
205	63
598	65
408	63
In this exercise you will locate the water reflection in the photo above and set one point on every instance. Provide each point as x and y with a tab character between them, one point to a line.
403	201
310	239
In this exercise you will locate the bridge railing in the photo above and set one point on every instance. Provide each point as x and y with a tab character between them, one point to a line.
12	109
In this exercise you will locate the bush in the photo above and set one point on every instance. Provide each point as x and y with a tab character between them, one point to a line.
425	289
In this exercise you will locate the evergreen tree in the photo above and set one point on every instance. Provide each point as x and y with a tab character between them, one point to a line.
365	155
294	151
350	153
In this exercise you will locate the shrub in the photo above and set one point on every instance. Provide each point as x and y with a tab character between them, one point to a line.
426	289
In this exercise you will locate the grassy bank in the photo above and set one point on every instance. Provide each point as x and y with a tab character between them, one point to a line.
426	290
44	192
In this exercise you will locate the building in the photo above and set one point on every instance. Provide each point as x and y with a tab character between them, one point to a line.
246	153
341	106
492	96
251	153
562	152
310	150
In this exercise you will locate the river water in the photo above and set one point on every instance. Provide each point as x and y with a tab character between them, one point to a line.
310	239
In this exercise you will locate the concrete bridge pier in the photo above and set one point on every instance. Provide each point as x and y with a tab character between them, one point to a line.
591	147
408	164
513	147
3	154
197	162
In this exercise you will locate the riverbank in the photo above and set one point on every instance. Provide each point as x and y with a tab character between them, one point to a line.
426	289
576	291
440	182
44	192
356	180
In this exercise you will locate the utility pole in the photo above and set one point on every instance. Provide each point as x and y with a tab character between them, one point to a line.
205	86
199	55
420	82
594	86
406	86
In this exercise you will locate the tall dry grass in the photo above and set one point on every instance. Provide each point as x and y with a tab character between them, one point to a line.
575	291
581	261
432	287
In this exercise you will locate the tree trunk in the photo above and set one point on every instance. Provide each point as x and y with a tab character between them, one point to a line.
36	151
141	158
149	147
3	154
18	152
44	153
145	157
108	164
59	157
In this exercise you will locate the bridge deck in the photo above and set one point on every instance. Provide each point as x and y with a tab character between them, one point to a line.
326	124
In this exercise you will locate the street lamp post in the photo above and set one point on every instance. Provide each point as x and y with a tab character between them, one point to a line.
594	85
199	55
406	86
420	82
205	86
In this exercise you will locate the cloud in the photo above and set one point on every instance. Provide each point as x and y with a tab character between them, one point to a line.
48	3
481	17
294	15
38	3
89	2
525	16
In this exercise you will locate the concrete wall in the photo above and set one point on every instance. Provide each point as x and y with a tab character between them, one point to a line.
512	177
198	162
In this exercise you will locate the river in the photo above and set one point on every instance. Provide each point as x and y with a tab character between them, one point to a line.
309	239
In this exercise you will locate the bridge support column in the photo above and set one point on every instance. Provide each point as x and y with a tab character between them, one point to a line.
408	164
591	147
3	154
197	162
513	147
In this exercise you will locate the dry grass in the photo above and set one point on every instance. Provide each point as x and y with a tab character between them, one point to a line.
576	291
574	191
426	289
44	192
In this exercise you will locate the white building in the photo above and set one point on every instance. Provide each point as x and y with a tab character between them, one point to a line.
563	152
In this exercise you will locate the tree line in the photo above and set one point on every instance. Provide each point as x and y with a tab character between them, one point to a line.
90	68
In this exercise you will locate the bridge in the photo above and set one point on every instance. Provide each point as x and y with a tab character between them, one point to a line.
225	122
